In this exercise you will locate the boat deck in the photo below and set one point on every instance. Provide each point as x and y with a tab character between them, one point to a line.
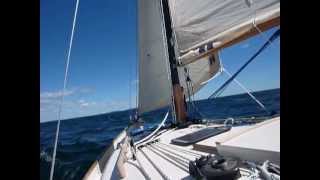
158	158
267	131
163	160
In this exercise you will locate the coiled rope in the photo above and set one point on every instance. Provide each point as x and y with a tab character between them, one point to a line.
63	92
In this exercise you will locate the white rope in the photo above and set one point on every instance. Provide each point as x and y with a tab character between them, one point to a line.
261	32
172	152
181	149
247	91
154	165
63	92
155	131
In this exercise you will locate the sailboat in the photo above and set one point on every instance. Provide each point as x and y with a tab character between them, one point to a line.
179	44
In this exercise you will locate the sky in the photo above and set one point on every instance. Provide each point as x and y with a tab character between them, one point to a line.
103	63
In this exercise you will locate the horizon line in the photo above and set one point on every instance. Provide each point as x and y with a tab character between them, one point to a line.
109	112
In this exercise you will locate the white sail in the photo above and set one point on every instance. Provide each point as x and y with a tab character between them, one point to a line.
213	23
200	72
154	75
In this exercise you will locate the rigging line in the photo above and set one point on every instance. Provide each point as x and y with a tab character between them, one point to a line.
274	36
63	92
247	91
155	131
186	76
142	168
137	82
178	148
177	163
261	32
131	66
188	82
193	101
164	176
254	17
172	152
171	156
191	83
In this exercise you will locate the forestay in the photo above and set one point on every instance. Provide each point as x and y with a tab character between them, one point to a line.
214	23
154	75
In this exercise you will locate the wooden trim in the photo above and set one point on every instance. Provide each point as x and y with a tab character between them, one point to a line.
181	112
252	32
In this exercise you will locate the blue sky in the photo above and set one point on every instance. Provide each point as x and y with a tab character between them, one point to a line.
103	59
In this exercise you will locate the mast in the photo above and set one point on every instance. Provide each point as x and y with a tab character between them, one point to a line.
178	95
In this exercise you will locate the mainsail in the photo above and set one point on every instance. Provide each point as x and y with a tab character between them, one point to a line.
154	74
212	24
198	27
155	87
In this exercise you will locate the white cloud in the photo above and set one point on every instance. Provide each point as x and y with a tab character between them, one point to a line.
83	103
75	106
246	45
57	94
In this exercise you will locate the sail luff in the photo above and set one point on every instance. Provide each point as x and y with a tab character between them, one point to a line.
178	102
154	82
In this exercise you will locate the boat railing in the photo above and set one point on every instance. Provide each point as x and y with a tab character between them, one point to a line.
117	160
112	147
227	120
111	153
236	120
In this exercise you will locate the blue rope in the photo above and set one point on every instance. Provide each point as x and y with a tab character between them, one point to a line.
274	36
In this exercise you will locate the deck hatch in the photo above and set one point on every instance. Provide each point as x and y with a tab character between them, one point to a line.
199	135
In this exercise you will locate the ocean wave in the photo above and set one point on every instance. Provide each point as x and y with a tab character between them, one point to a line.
83	140
45	156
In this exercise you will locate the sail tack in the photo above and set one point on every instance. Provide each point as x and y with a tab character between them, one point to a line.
154	76
214	23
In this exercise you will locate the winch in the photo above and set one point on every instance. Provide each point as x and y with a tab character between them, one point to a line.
215	168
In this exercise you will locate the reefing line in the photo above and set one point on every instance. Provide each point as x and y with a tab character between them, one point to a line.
63	92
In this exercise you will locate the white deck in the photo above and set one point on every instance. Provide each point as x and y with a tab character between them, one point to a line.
264	136
162	160
172	160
